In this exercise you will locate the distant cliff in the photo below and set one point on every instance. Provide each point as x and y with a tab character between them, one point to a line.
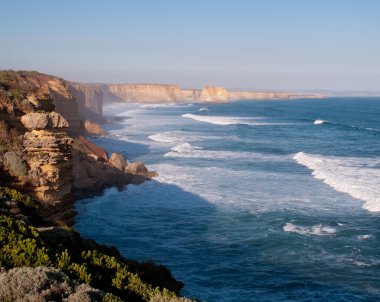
159	93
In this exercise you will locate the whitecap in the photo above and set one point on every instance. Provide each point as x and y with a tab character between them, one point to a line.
317	230
364	237
319	122
204	109
357	176
187	150
230	120
182	136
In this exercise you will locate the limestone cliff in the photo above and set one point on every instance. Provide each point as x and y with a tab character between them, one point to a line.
146	93
42	148
251	95
213	94
35	150
156	93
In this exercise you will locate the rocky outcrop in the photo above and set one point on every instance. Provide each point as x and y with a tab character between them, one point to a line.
93	128
36	150
94	170
118	161
43	154
38	121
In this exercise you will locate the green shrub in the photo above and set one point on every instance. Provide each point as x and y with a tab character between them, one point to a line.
18	196
23	245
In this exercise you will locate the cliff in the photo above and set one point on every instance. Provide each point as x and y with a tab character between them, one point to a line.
146	93
89	101
156	93
42	148
47	160
213	94
35	149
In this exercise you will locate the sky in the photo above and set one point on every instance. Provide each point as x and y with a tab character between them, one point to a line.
237	44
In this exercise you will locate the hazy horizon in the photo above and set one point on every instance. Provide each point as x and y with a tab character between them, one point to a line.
258	45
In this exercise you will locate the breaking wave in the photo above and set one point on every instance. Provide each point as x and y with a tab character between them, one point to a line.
356	176
230	120
319	122
187	150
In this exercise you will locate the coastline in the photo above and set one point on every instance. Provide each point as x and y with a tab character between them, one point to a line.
44	162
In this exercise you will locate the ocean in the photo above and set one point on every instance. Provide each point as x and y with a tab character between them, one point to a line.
273	200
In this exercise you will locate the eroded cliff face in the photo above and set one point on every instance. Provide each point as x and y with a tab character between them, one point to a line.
42	148
89	100
213	94
156	93
35	152
146	93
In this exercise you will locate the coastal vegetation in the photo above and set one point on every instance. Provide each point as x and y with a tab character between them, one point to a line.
101	267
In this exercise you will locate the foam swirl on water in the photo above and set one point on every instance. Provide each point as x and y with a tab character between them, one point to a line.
317	230
187	150
358	177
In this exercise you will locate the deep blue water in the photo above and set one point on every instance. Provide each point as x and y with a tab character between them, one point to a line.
256	200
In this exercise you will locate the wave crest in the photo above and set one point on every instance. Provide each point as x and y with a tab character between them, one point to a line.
358	177
230	120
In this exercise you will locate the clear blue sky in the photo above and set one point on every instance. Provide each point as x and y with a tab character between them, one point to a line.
257	44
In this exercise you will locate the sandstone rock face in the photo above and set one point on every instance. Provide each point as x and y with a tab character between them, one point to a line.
33	121
118	161
93	173
38	121
146	93
15	164
56	120
37	157
90	101
213	94
156	93
68	108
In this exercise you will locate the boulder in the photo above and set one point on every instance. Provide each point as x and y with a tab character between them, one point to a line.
118	161
39	121
137	168
56	120
15	164
93	128
35	121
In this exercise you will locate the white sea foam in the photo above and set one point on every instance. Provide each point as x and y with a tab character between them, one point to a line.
182	137
358	177
319	122
230	120
204	109
364	237
187	150
317	230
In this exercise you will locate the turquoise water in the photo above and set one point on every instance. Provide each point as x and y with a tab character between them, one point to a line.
256	200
